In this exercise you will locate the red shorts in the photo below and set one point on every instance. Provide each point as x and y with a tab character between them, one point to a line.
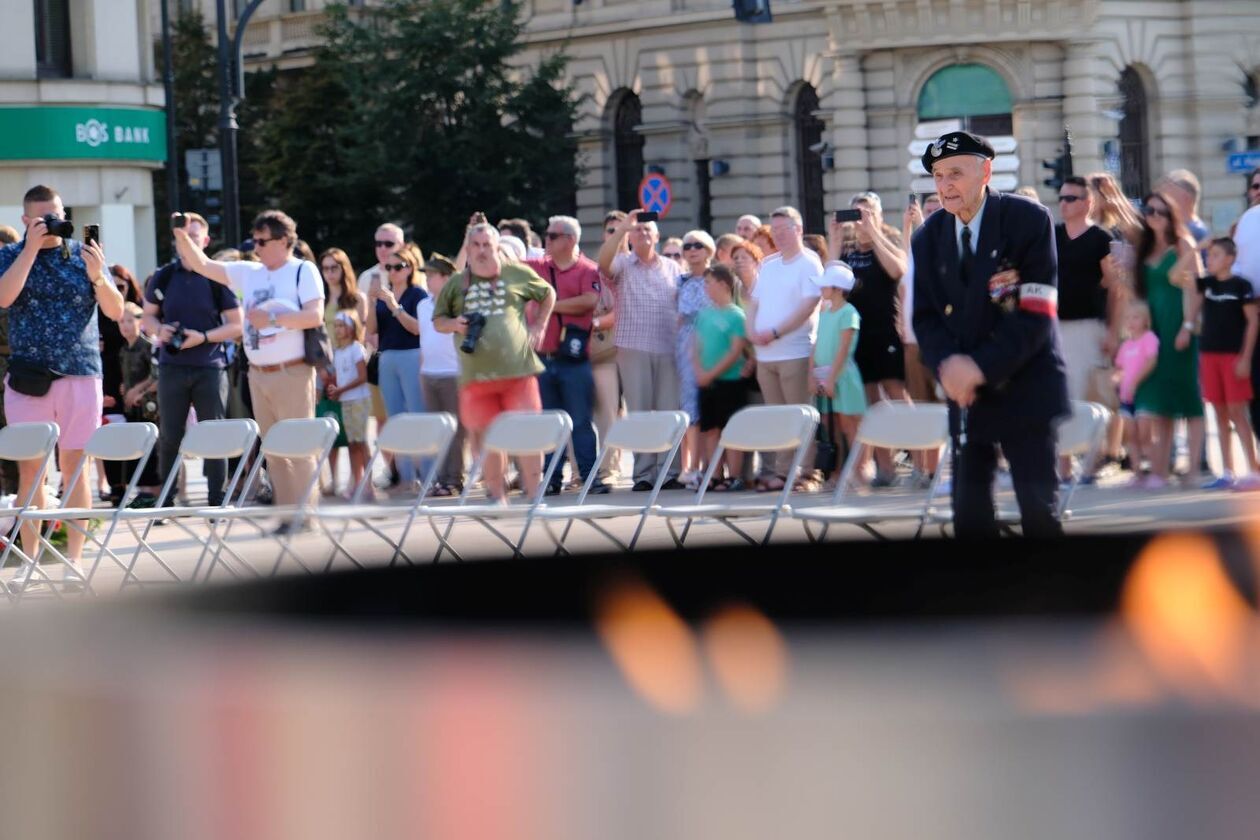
1221	386
481	402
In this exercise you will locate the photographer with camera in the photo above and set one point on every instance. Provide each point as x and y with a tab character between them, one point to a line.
52	286
192	319
485	306
283	297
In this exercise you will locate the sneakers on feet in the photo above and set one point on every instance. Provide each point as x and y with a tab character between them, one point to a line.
1154	482
1246	484
599	488
1222	483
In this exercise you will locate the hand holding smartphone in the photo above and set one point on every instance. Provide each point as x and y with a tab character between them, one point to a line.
647	216
844	216
91	234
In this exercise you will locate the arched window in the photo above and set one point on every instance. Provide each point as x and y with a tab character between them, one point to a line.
1135	176
628	150
809	168
972	93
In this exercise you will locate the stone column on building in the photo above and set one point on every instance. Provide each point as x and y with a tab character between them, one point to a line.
1085	84
847	132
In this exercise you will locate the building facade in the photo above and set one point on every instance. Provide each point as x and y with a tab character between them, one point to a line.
81	111
827	100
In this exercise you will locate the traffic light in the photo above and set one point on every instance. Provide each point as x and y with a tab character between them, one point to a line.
752	11
1061	167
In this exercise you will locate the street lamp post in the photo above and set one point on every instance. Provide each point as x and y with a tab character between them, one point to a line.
231	91
168	86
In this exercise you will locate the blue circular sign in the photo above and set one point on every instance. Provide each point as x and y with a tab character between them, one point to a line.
656	194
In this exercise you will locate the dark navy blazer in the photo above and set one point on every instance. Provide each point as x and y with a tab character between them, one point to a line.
1018	351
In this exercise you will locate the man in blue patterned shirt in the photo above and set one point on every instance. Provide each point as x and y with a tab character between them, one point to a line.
52	287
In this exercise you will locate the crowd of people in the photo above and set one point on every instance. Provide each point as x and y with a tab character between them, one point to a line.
1156	315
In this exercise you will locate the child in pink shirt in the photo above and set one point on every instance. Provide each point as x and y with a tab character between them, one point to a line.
1134	362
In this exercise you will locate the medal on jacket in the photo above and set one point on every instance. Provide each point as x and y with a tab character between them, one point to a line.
1002	290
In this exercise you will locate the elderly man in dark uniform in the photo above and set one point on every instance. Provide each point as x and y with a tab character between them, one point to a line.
985	313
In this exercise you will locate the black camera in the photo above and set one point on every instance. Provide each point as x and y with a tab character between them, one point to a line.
58	227
476	323
178	220
177	339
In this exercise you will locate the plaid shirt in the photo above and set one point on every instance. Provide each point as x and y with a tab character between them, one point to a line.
647	303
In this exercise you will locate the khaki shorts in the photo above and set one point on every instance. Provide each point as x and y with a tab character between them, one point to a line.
354	419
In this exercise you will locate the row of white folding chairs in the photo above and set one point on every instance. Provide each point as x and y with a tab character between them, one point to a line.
758	428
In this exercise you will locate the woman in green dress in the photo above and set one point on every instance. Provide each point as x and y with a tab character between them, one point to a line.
1168	265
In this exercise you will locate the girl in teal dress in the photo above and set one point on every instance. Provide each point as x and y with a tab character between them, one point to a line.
836	379
1168	265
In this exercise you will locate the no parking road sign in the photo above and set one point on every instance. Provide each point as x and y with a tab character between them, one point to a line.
656	194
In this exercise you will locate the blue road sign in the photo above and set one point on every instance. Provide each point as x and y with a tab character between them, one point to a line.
1243	162
656	194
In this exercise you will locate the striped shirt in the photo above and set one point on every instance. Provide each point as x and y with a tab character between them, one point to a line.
647	302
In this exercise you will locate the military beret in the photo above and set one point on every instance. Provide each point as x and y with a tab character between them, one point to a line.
957	143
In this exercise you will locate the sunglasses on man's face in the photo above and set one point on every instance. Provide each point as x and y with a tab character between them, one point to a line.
381	244
1071	199
1254	187
553	235
258	243
397	266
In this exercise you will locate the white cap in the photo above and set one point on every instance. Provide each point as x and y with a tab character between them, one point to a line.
514	244
837	275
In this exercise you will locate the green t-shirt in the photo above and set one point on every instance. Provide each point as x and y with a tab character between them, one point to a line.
503	351
716	330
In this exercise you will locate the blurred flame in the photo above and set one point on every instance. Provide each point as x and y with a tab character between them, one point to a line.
652	646
1189	620
749	657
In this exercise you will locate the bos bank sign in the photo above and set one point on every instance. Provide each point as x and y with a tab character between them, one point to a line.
54	132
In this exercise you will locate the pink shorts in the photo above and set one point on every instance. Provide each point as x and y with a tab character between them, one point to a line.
74	403
481	402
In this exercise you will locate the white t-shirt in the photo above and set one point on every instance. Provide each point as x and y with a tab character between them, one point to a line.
346	361
275	291
437	350
907	303
1247	237
780	290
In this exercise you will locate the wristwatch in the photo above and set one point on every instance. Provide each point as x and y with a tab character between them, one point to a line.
397	309
1188	326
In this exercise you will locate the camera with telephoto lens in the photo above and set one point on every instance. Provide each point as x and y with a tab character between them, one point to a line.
177	339
58	227
476	323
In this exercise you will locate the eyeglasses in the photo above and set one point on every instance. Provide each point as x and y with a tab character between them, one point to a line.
258	243
1254	187
1148	210
673	255
380	244
330	266
610	231
396	266
1071	199
554	235
693	246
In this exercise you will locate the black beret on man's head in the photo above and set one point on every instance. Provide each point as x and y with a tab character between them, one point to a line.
957	143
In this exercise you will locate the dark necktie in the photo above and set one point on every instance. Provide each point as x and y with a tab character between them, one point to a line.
964	264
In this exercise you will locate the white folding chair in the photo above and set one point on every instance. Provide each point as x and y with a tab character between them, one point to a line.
512	434
299	438
758	428
638	432
25	442
115	442
206	440
1081	436
414	435
886	425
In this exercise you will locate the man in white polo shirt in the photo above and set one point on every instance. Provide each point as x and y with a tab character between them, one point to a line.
283	296
782	318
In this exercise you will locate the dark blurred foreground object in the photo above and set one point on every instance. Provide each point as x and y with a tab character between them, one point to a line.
1086	688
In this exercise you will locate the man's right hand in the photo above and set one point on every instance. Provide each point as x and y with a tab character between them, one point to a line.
627	224
165	333
460	324
35	233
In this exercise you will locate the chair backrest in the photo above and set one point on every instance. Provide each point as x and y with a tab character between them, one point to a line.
300	437
1080	433
122	441
417	434
217	439
759	428
647	431
899	425
528	433
27	441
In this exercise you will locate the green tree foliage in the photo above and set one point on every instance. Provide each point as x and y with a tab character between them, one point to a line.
415	112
